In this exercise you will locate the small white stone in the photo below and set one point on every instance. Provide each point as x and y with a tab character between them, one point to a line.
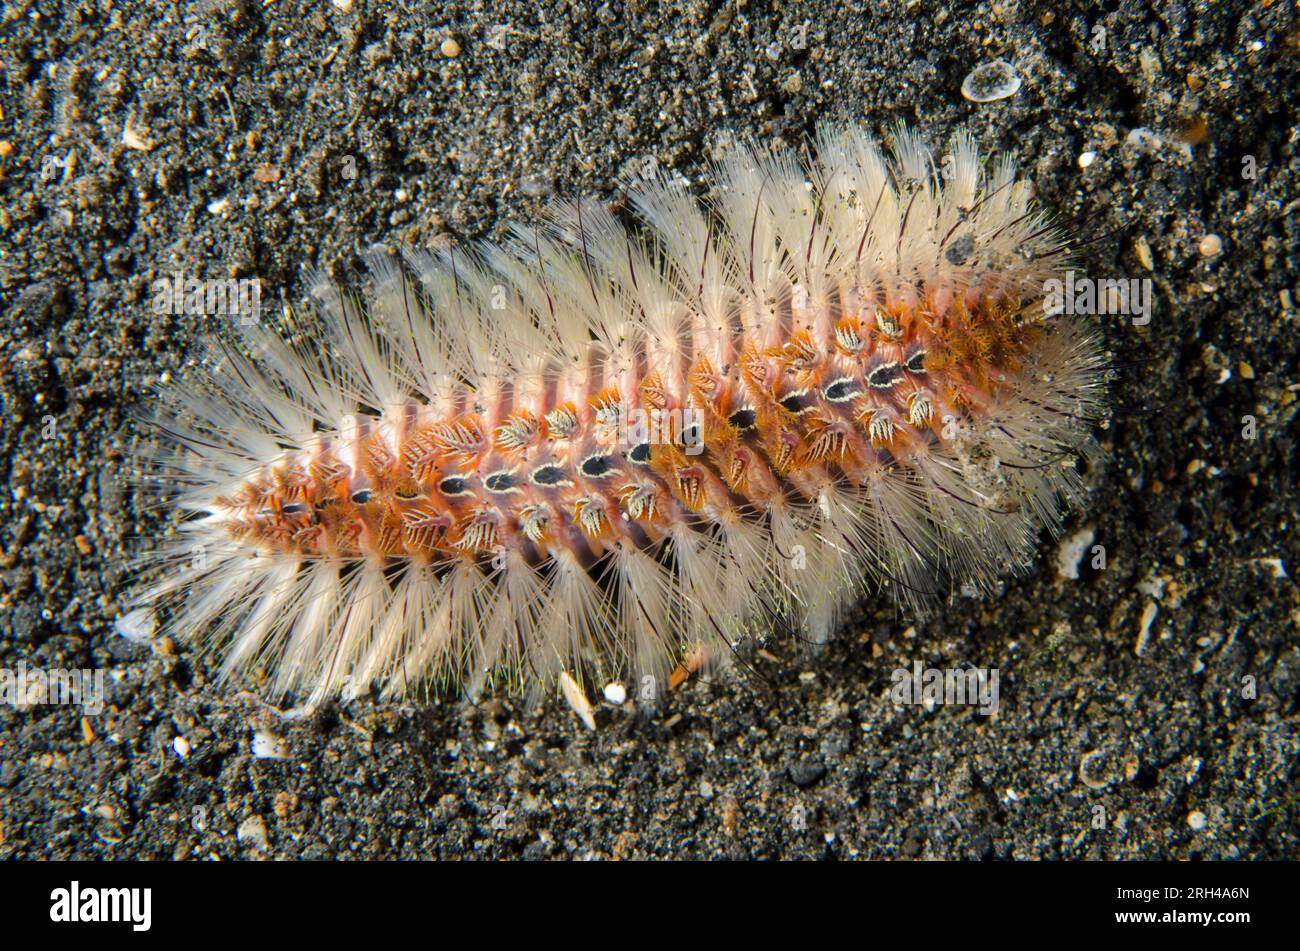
219	207
252	831
181	747
1275	566
269	746
1196	819
1153	586
1087	158
615	693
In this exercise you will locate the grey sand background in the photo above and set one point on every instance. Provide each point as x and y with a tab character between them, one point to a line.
266	138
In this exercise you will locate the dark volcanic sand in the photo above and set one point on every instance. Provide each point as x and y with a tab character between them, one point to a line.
268	108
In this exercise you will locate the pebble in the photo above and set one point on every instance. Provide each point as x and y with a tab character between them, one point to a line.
252	831
577	700
1149	63
450	48
730	815
1196	819
1143	139
1087	158
805	772
133	140
1142	248
1210	246
991	82
181	747
1275	566
615	693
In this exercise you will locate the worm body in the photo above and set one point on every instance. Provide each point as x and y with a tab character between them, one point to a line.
595	449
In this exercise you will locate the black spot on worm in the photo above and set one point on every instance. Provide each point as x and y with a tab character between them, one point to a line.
548	475
842	390
885	376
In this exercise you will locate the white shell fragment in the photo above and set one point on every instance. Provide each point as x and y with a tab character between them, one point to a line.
1144	627
134	140
136	626
577	699
991	82
269	746
1071	553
